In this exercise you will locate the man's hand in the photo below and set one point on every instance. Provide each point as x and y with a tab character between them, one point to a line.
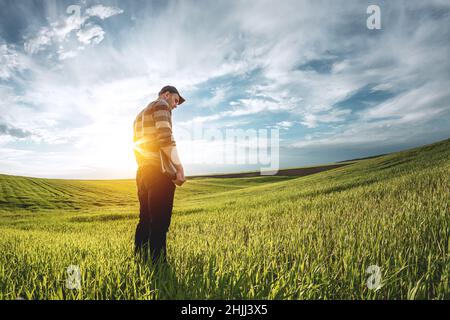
180	179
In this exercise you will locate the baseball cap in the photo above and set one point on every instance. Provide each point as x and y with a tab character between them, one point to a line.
172	89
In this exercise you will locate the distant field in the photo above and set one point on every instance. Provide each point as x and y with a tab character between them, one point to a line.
270	237
292	172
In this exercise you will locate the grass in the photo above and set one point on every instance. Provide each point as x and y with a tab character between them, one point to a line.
278	237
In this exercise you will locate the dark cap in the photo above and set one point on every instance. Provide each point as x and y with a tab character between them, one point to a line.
172	89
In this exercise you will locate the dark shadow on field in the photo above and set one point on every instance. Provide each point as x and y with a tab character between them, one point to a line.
162	277
295	172
166	280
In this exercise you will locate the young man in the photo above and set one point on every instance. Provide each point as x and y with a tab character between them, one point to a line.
154	146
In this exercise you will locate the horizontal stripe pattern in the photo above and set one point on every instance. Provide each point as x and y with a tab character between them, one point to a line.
152	131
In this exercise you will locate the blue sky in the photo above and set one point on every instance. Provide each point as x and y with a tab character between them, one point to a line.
71	85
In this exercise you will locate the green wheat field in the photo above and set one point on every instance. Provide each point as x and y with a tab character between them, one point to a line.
310	237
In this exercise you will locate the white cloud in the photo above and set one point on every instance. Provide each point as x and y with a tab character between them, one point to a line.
255	106
103	12
91	34
395	64
285	124
91	99
382	87
243	107
311	120
218	97
61	29
10	62
375	134
63	55
430	99
39	42
58	32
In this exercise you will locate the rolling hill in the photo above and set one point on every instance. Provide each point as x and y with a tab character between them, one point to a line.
280	237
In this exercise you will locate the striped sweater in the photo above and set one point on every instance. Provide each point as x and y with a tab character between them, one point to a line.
153	132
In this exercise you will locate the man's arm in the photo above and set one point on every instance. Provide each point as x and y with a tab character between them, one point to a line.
166	141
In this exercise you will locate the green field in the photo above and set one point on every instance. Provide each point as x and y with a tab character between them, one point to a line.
278	237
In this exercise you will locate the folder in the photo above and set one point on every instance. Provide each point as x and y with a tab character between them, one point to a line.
167	167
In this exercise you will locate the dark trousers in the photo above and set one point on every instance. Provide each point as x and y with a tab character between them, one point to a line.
155	192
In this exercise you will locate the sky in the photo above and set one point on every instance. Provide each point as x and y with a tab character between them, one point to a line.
74	75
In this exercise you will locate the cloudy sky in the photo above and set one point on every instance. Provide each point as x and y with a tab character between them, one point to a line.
73	76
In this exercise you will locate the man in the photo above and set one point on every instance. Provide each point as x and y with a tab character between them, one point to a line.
154	143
